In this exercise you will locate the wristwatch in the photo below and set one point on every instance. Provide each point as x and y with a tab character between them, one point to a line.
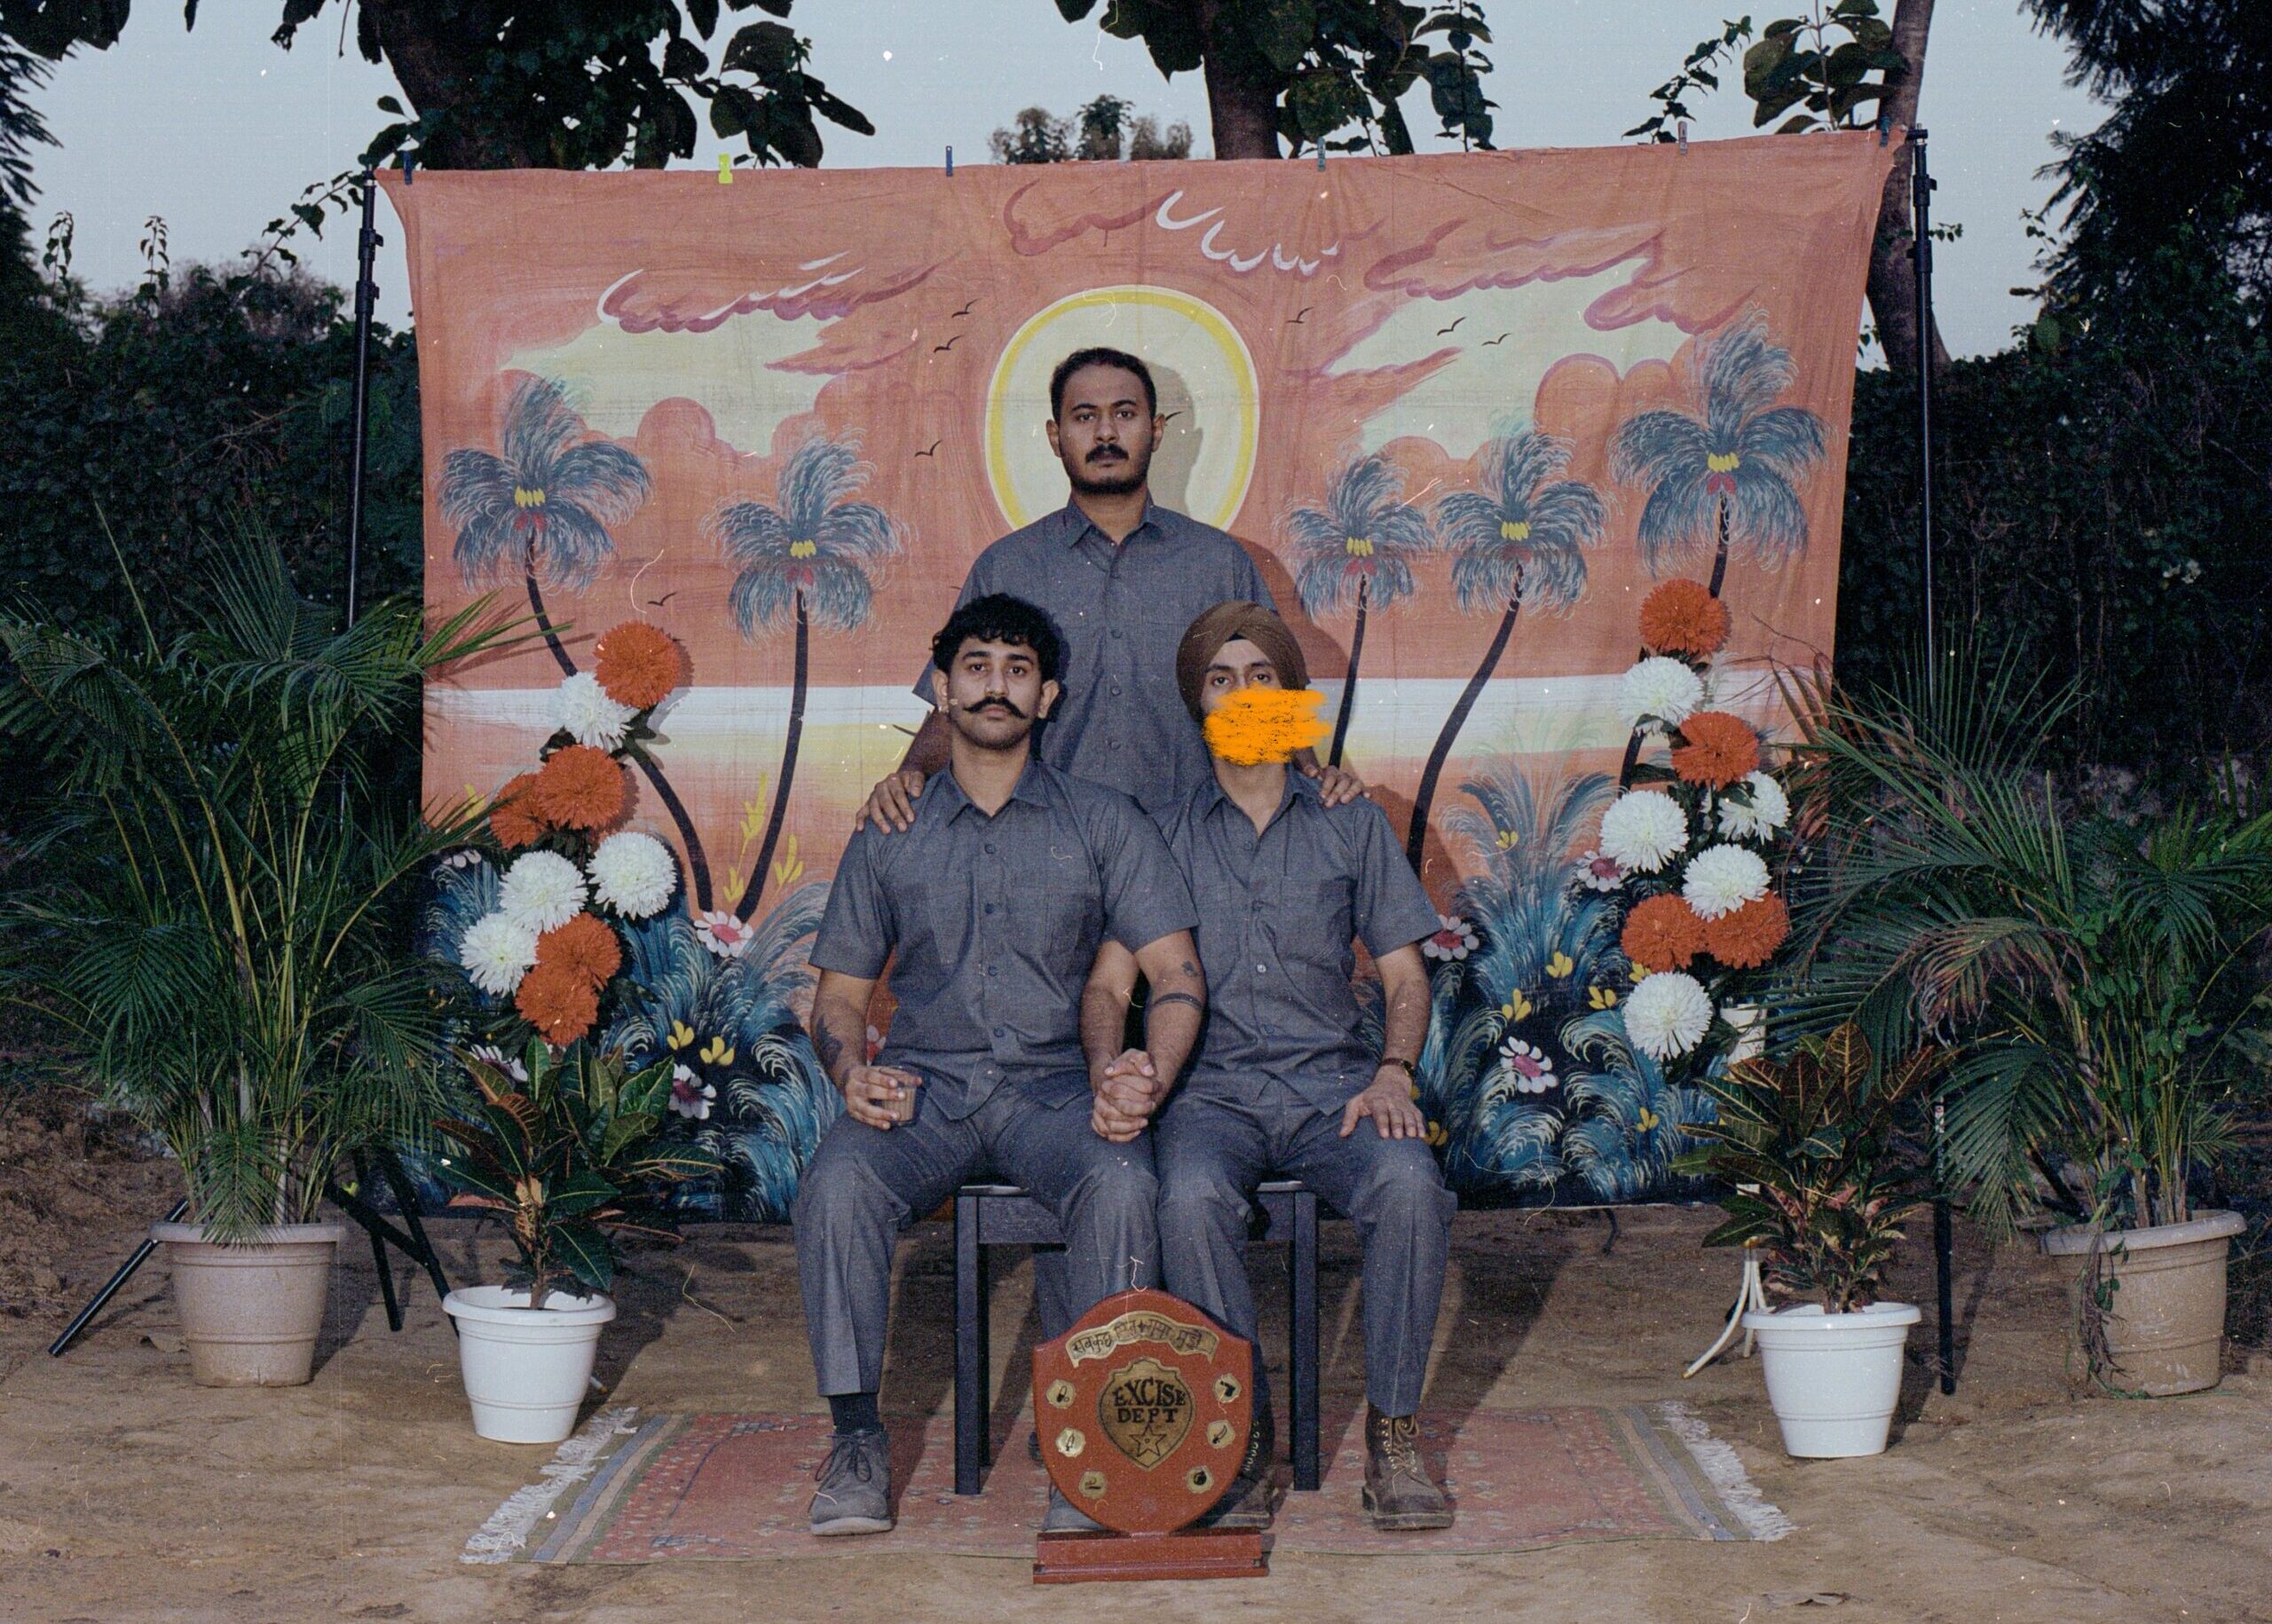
1405	1066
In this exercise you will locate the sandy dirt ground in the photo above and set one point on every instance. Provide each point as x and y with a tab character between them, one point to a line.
128	1494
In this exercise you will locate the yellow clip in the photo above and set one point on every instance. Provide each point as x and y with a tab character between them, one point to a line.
725	170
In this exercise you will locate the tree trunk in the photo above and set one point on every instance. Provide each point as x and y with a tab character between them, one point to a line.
1349	683
1416	840
438	55
1893	273
1720	553
748	904
697	864
543	621
1242	109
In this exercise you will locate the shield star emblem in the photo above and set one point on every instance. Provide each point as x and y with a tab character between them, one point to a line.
1145	1410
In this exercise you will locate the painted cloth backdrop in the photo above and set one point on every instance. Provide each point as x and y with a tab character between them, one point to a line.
1464	410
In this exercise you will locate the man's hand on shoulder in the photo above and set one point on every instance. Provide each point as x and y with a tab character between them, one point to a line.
1337	785
872	1093
890	805
1388	1101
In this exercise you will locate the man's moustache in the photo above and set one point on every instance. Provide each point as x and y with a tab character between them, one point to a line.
1108	454
1002	704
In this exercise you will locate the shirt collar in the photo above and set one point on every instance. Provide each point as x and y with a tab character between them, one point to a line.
1212	795
1032	788
1075	526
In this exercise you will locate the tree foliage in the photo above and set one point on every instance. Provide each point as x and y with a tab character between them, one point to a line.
554	83
1304	71
2103	492
1103	131
2187	148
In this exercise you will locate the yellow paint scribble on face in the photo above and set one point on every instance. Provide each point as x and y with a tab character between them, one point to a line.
1267	724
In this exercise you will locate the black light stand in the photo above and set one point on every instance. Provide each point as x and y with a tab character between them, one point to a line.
413	1243
1920	203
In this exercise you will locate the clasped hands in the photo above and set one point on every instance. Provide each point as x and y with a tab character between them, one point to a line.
1128	1091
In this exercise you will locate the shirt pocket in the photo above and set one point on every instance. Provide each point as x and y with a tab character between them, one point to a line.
1057	909
1312	923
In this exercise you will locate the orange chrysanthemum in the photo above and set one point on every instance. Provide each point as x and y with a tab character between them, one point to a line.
1662	933
584	946
1716	749
639	665
559	1003
1745	938
581	788
513	815
1681	616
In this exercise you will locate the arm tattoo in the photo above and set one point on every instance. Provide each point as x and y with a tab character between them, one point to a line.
1190	968
1159	999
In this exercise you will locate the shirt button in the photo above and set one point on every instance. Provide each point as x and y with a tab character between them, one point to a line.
990	848
1115	743
989	969
999	1030
1116	633
990	907
1115	688
1258	970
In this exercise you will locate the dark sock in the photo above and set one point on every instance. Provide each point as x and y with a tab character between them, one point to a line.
855	1412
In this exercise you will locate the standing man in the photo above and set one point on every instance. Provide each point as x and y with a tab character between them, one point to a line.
1122	577
990	909
1283	1086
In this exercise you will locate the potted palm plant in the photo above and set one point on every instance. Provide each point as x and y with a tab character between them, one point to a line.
2099	985
564	1147
1820	1181
223	914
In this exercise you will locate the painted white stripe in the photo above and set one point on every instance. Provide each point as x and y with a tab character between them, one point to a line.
1398	717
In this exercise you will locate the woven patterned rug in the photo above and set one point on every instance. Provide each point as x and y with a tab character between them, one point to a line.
724	1487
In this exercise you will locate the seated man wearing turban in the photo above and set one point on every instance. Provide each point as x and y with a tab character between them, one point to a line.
1281	1084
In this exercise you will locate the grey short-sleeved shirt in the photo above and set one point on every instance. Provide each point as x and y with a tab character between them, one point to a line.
1277	912
991	924
1122	611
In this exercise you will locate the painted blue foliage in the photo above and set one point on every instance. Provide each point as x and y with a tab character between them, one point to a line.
546	506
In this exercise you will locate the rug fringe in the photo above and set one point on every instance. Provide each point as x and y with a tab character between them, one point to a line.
501	1538
1717	1460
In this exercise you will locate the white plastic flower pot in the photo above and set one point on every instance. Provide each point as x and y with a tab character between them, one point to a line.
1833	1379
526	1369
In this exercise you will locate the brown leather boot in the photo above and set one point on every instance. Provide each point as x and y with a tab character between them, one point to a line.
1399	1495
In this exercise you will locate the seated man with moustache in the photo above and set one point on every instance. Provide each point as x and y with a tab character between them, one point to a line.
990	909
1282	1086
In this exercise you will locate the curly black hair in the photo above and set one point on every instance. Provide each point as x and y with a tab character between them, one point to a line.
1000	617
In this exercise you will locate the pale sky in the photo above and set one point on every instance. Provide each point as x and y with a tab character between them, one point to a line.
217	130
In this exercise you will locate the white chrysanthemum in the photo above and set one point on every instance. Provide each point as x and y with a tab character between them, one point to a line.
633	873
497	952
1643	830
542	891
581	706
490	1055
1764	810
1660	689
1666	1014
1721	879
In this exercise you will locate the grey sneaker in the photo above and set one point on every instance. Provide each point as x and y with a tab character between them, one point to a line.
855	1493
1064	1517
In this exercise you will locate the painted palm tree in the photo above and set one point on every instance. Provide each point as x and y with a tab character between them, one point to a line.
1727	474
547	507
735	1022
1520	541
1356	551
804	561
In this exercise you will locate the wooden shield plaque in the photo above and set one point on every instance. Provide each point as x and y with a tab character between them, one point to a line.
1143	1408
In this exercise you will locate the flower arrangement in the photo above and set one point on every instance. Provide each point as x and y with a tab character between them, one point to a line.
1687	847
575	933
574	878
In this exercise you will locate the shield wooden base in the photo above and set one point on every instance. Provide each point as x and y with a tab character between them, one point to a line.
1201	1553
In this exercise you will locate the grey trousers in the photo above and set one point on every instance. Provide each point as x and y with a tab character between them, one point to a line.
865	1185
1213	1150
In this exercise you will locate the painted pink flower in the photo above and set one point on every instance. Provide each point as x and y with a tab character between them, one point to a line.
1600	873
1456	940
691	1096
723	934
